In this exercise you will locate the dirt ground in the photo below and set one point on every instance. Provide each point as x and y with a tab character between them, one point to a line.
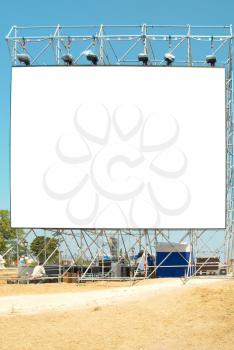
59	288
7	273
190	317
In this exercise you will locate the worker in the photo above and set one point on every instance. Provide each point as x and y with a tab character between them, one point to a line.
141	261
22	261
38	271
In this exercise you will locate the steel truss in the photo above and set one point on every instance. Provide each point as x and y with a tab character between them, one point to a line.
120	45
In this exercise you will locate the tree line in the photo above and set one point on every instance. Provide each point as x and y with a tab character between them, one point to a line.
12	240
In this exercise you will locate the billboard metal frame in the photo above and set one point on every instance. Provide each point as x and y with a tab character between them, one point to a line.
121	45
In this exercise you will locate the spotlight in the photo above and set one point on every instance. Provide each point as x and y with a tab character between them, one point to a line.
92	57
211	59
143	57
169	58
23	58
68	59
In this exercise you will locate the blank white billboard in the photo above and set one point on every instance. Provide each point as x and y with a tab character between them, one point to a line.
118	147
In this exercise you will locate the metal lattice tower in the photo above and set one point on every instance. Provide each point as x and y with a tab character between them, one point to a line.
187	45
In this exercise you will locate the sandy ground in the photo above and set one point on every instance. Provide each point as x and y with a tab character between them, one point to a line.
24	289
7	273
153	315
85	296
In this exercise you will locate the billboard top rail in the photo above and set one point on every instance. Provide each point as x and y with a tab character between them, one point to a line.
149	44
125	26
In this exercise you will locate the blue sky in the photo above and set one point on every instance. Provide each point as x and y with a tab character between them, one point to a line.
44	12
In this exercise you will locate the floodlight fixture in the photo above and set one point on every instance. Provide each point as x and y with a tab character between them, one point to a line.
143	57
92	57
68	59
23	58
169	58
211	59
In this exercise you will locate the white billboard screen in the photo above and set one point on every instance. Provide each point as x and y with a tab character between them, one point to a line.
118	147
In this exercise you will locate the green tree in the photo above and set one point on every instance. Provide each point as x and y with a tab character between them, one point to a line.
8	235
2	244
42	247
6	231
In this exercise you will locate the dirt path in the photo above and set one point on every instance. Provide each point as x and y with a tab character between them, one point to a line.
87	297
197	316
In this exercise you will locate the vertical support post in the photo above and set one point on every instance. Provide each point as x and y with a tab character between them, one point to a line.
60	270
231	254
190	262
144	36
81	250
189	47
155	250
102	252
230	208
100	39
45	245
139	240
229	156
145	263
58	44
15	47
17	252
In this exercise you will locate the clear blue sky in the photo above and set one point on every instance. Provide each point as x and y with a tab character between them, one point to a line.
52	12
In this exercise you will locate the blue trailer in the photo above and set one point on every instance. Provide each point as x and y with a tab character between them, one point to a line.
172	260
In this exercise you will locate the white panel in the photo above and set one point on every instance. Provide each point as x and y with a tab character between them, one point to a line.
115	147
164	247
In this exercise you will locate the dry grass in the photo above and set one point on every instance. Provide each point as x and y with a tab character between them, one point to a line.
193	317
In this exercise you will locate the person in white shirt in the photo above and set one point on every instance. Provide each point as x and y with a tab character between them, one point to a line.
38	271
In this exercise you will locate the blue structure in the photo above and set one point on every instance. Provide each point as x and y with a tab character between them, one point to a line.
173	259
